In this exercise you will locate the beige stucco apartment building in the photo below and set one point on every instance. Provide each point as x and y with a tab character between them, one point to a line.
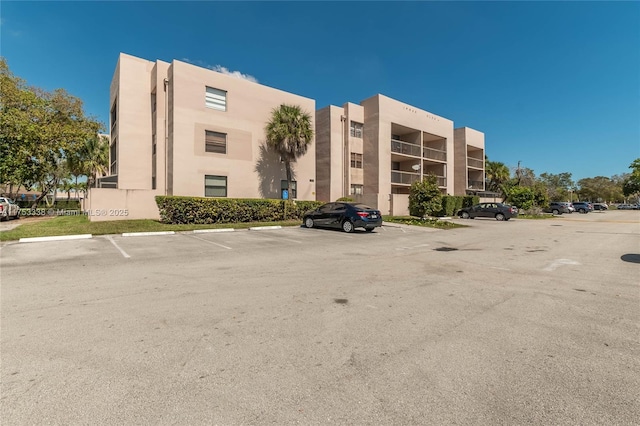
374	151
180	129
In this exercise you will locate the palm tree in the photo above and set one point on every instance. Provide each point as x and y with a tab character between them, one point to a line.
289	133
94	157
497	174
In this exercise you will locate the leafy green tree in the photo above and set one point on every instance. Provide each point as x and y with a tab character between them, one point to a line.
557	186
39	132
599	188
425	198
496	174
631	185
522	197
289	133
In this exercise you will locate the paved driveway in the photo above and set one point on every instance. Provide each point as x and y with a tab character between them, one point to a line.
515	322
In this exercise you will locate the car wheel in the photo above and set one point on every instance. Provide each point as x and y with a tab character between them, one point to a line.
308	222
369	229
555	212
583	211
465	215
347	226
500	217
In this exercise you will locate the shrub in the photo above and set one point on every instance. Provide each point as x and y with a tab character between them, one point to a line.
470	200
450	205
522	197
198	210
346	199
425	198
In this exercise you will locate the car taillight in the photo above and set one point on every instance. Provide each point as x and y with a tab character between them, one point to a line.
363	214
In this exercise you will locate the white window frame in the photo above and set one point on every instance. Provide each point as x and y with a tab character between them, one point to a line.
356	129
215	98
214	186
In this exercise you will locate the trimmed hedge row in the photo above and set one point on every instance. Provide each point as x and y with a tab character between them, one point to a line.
451	204
198	210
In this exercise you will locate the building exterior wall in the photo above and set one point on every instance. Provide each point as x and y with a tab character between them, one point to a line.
177	122
469	160
428	137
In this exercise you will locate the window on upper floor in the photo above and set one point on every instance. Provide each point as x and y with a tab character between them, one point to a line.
215	186
215	98
356	129
356	160
215	142
114	113
113	157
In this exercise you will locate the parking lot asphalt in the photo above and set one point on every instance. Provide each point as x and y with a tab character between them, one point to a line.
518	322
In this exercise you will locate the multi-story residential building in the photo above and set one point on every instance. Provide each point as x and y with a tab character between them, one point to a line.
374	151
180	129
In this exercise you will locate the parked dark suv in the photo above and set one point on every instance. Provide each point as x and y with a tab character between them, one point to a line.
583	207
559	207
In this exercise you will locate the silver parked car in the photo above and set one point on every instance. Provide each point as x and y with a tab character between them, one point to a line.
8	209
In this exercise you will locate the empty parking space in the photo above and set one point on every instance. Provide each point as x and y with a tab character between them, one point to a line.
300	320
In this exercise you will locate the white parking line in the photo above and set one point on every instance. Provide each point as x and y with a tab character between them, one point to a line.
210	242
124	253
557	263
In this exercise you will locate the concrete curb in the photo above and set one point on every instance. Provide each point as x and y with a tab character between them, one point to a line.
144	234
263	228
56	238
207	231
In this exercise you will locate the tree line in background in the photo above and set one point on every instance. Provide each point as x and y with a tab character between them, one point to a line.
47	143
525	190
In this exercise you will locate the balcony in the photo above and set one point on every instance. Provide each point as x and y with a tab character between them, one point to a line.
405	148
434	154
406	178
475	184
475	163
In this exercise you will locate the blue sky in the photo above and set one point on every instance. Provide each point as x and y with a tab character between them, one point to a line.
555	85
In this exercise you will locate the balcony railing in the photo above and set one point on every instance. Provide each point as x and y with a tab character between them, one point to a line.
434	154
474	162
476	184
406	178
405	148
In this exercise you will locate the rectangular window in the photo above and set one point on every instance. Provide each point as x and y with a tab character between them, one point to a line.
215	98
356	160
356	189
113	157
215	142
294	188
356	130
114	113
215	186
153	182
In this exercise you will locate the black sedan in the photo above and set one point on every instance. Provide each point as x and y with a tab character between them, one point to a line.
498	211
345	216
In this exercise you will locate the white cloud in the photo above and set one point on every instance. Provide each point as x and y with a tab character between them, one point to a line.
236	74
221	69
